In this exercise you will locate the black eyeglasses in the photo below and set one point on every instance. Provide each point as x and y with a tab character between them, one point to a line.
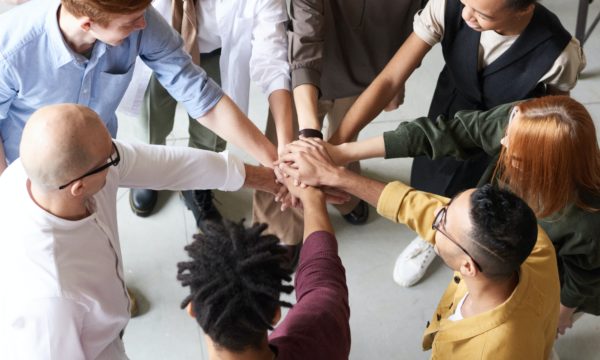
438	225
111	161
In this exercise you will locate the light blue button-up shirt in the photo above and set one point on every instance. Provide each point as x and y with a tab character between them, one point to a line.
38	68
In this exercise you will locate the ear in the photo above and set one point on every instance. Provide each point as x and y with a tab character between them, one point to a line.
467	267
190	310
528	10
85	23
277	316
77	188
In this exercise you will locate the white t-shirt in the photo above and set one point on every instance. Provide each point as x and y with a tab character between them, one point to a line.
429	26
63	290
457	312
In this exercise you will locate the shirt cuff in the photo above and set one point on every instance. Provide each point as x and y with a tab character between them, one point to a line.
236	172
305	75
391	199
210	95
570	299
424	34
395	142
281	83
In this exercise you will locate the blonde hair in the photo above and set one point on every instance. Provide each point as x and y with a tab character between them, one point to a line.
553	158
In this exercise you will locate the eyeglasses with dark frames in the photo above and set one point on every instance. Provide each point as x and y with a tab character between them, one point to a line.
438	225
113	160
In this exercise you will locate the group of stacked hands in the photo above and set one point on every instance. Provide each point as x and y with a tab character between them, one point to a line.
499	189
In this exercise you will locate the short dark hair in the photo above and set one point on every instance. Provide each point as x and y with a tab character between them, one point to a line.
504	230
235	279
519	4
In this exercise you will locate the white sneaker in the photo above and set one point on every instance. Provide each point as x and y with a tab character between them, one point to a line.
412	262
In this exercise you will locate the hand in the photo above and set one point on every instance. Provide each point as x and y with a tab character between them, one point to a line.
396	101
335	152
304	193
565	319
308	163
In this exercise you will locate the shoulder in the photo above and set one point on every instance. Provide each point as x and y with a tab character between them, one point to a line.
22	28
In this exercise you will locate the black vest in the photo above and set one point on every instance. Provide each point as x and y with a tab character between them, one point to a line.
513	76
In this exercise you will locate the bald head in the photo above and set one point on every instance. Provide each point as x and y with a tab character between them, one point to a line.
60	143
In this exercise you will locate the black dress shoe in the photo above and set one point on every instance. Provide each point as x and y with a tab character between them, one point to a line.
142	201
200	202
359	215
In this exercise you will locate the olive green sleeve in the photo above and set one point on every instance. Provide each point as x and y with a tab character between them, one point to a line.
461	136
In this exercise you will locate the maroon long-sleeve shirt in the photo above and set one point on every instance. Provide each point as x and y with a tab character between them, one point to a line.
317	327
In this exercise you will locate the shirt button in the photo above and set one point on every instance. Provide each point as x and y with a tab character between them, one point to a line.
456	279
439	317
427	325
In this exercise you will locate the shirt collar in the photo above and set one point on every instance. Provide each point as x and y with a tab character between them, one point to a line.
62	54
473	326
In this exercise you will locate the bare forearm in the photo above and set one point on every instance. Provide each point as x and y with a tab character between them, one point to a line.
280	103
227	121
364	149
360	186
385	86
3	163
260	178
306	100
316	217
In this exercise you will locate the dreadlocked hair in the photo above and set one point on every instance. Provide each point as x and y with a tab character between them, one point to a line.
235	279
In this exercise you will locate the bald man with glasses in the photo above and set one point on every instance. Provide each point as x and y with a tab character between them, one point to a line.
503	300
63	287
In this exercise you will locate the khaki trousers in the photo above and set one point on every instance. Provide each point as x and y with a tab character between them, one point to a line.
158	113
288	226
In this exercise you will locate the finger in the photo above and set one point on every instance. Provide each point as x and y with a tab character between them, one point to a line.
336	192
288	158
281	193
289	171
336	200
314	142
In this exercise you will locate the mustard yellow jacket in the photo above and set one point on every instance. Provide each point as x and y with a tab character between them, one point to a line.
523	327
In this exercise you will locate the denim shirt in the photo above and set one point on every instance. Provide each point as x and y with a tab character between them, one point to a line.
38	68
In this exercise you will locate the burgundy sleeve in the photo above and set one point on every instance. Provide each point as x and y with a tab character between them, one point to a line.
317	327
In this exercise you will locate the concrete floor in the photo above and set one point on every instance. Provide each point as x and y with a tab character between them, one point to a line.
387	321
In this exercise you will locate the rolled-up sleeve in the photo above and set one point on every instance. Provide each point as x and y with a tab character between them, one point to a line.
178	168
429	22
161	49
306	40
566	69
403	204
269	66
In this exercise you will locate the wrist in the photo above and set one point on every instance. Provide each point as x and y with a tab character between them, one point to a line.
312	198
310	133
336	177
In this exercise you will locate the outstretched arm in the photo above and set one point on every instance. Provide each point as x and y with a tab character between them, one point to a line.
307	37
388	84
227	121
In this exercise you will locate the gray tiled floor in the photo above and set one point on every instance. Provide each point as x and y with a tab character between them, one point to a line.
387	321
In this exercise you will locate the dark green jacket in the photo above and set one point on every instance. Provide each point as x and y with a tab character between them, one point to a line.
574	232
